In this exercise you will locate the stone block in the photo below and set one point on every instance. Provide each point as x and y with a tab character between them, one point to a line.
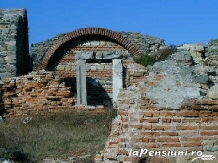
201	79
60	67
11	47
182	56
94	67
211	149
213	94
85	55
108	55
117	78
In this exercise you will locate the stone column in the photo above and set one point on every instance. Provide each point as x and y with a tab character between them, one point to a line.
117	78
81	82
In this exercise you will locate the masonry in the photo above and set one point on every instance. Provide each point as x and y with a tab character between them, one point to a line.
172	104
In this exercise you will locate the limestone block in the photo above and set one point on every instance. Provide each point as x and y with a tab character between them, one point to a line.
60	67
192	47
201	79
94	43
85	55
67	67
100	67
213	94
108	67
81	82
182	56
108	55
117	78
195	50
94	67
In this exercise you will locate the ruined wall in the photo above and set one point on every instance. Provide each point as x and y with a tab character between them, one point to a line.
98	72
173	109
14	48
35	93
142	42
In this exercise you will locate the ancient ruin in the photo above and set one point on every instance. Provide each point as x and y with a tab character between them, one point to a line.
172	105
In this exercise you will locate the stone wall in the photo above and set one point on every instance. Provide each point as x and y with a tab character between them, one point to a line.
98	71
14	48
173	108
142	42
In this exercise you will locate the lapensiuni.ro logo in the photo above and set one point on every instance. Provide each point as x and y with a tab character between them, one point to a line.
170	153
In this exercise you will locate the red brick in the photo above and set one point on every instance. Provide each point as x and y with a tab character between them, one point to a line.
151	140
215	114
193	139
159	76
209	119
124	113
150	145
187	127
167	139
162	127
150	120
209	133
196	102
167	113
122	140
166	120
150	133
204	86
215	107
124	119
154	83
155	113
188	133
209	102
169	133
146	127
125	125
191	144
146	140
176	120
171	145
190	120
143	107
198	107
188	114
211	127
148	114
110	143
146	101
137	126
205	113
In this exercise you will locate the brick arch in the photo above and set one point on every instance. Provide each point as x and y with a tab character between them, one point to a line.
87	32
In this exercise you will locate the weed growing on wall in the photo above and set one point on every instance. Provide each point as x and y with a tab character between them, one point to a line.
145	59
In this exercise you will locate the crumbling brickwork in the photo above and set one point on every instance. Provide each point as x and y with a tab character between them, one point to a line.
35	93
142	124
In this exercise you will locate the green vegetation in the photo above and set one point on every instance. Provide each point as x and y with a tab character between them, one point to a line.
62	135
145	59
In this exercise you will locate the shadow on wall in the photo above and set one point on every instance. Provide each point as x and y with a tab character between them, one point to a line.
2	106
70	82
96	93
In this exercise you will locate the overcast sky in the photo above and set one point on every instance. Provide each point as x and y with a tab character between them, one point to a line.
175	21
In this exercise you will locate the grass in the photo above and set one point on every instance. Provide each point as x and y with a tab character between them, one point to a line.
62	135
